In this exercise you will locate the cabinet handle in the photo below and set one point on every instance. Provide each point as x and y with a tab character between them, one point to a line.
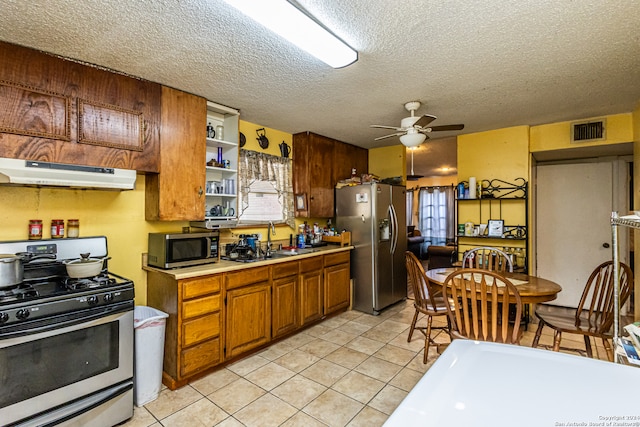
200	192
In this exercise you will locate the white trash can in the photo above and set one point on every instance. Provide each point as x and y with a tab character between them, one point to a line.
149	325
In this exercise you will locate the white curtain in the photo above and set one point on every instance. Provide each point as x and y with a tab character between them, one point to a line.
255	166
436	215
410	207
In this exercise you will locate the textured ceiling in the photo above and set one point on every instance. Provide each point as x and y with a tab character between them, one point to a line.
487	64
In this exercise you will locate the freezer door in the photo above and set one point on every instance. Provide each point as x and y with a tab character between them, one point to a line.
383	294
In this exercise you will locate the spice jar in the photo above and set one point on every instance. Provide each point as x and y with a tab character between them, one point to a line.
73	228
35	229
57	228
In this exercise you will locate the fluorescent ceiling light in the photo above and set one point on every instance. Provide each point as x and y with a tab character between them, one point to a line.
286	20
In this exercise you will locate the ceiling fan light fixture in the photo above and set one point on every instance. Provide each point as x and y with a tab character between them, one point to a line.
286	20
412	139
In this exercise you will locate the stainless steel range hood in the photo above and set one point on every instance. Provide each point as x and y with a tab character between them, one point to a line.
45	174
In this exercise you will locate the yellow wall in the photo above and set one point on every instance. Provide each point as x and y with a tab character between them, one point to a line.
119	215
556	136
497	154
388	162
276	138
501	153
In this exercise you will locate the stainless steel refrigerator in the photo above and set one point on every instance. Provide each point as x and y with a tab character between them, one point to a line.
375	215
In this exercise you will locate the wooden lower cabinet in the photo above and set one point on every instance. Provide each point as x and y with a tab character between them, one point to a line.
248	310
216	318
337	282
193	329
248	318
284	297
311	294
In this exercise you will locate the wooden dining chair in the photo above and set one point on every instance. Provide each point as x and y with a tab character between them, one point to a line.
479	307
487	258
595	312
428	300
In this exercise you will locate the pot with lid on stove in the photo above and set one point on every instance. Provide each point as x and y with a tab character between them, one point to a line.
12	267
85	266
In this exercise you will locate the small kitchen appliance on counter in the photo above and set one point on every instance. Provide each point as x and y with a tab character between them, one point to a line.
173	250
245	250
66	344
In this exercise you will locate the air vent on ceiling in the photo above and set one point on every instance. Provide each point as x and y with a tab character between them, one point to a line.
593	130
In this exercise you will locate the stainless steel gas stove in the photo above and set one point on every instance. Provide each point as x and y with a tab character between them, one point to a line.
66	345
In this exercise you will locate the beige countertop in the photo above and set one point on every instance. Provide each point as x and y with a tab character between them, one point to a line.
224	266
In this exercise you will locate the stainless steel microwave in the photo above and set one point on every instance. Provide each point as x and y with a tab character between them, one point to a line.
171	250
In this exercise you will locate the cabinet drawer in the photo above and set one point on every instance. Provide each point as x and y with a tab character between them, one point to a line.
200	329
200	357
192	288
337	258
310	264
200	306
285	269
247	277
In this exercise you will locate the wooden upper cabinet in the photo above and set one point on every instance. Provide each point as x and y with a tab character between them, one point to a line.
318	164
347	157
177	192
61	111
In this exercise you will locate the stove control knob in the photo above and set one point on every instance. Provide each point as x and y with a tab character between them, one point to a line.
3	318
23	313
108	297
92	300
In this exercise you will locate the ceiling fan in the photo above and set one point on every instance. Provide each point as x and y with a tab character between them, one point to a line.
413	130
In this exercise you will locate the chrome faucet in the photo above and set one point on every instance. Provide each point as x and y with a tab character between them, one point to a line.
271	229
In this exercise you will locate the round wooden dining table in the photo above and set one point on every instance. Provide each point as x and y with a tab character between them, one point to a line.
532	289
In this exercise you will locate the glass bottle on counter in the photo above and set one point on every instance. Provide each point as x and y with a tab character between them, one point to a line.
73	228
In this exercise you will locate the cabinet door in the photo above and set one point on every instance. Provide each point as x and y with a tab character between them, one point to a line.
312	171
177	192
285	305
347	157
310	296
57	110
337	290
248	318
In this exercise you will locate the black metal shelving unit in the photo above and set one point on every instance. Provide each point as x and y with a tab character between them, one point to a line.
493	195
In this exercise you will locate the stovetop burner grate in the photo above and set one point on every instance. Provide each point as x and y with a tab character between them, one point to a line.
18	293
88	283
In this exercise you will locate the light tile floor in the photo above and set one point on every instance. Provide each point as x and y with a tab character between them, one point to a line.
350	370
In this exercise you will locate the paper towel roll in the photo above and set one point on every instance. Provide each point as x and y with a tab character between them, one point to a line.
472	187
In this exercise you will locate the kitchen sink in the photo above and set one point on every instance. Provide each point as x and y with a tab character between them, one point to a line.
288	253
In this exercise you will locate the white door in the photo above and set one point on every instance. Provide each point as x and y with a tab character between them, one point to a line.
573	211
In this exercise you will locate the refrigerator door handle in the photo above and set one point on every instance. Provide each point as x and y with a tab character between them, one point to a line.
394	228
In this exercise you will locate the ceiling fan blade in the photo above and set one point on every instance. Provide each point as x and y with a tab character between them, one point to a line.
424	120
447	127
389	136
385	127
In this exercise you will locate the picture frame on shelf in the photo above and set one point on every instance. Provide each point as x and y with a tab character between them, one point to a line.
495	228
301	202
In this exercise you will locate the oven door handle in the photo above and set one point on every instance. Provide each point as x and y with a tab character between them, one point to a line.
66	413
63	321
